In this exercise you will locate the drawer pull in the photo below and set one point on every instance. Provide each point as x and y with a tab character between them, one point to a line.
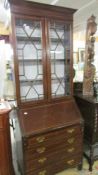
70	162
41	150
70	150
40	139
42	160
42	172
70	131
71	140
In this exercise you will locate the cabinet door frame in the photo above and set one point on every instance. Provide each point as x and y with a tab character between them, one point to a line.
16	62
47	21
45	61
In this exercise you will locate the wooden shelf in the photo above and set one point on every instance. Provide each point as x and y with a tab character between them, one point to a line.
38	81
40	60
36	39
23	38
30	81
30	60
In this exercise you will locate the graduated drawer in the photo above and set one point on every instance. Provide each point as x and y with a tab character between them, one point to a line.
52	137
71	146
57	166
51	158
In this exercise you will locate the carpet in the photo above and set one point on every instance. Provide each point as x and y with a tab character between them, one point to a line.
84	171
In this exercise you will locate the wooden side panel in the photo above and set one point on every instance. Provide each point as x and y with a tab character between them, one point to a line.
6	167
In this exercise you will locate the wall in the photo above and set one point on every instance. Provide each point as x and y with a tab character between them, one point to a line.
4	30
6	84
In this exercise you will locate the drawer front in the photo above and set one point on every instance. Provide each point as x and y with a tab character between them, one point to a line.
46	160
70	146
53	137
57	166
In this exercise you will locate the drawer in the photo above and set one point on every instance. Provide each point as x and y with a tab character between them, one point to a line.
46	160
52	137
69	147
57	166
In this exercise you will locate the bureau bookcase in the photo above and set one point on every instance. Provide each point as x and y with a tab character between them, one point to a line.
48	122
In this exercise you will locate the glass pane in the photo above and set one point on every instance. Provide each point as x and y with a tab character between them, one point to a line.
29	52
59	34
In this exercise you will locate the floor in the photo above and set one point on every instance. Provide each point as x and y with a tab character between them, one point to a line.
73	171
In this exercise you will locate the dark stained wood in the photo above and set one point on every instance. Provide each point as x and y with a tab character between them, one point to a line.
88	106
47	130
58	167
16	63
77	87
38	9
45	118
45	14
6	167
32	154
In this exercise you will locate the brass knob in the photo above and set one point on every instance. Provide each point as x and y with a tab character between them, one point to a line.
70	150
41	150
71	130
40	139
70	162
42	172
71	140
42	160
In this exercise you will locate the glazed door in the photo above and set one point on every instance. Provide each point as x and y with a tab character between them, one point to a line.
30	53
59	34
42	59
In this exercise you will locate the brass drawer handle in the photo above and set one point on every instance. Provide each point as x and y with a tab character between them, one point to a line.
42	160
71	140
40	139
70	131
41	150
70	162
42	172
70	150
